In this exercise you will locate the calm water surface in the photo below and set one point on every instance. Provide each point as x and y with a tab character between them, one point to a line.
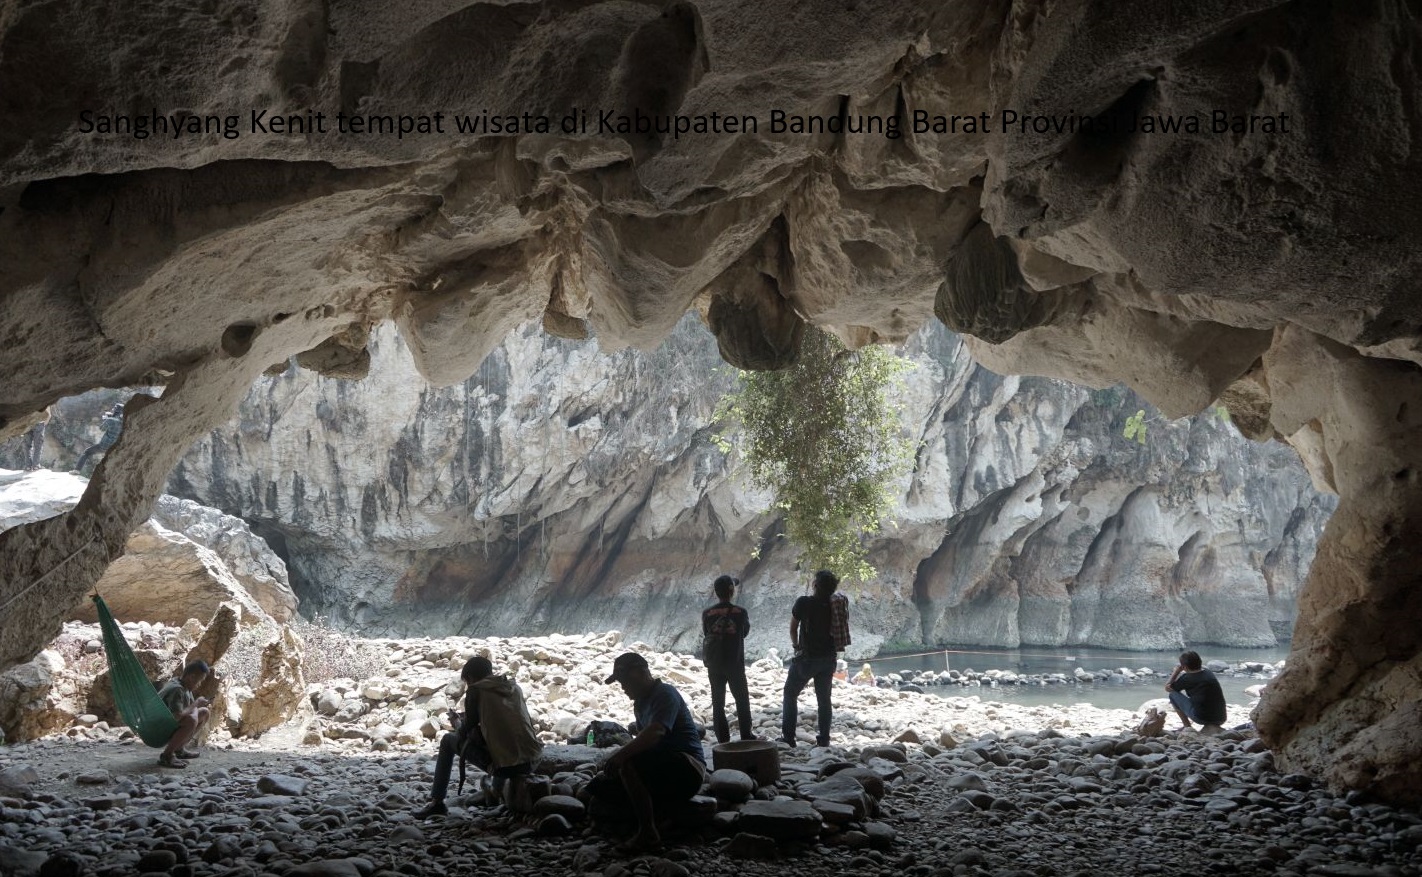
1044	659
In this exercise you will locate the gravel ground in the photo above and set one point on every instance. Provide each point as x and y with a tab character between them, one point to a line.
970	787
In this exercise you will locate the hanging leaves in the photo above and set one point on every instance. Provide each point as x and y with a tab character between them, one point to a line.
823	437
1136	427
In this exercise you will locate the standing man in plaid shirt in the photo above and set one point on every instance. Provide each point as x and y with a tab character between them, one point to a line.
814	638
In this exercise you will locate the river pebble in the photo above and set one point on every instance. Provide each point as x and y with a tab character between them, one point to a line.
976	789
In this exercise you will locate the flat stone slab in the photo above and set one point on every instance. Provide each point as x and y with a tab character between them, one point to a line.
782	819
834	813
840	789
279	784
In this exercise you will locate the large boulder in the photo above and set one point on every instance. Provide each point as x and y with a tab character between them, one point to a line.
38	698
181	563
280	692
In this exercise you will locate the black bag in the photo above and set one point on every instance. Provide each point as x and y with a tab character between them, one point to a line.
604	735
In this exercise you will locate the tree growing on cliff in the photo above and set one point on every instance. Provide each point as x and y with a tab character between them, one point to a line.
823	437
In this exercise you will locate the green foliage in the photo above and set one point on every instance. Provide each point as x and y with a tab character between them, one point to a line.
823	437
1219	413
1136	427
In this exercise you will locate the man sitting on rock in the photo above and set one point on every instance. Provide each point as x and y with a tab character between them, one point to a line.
663	765
1196	694
496	733
190	711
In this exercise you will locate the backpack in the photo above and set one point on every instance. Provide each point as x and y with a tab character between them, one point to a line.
604	735
839	621
1153	725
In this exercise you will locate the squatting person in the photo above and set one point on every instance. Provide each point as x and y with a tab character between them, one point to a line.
1196	694
190	711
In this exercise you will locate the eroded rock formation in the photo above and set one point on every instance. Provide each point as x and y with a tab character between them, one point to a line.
181	563
1193	266
1028	518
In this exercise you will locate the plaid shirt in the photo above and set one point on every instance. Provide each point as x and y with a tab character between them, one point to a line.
839	621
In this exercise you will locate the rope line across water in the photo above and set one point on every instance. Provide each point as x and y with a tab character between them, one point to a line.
971	652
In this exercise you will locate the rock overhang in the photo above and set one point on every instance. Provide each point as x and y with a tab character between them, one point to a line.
1272	271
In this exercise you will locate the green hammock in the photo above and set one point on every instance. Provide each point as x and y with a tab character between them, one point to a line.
137	700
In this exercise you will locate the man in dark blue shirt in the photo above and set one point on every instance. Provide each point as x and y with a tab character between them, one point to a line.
663	765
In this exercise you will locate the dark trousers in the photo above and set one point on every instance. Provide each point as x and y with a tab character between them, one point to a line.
476	753
669	777
1181	701
104	443
448	751
802	670
733	674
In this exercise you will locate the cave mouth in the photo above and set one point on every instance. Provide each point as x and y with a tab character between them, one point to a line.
606	169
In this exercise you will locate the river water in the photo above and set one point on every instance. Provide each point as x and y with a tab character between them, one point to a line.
1045	659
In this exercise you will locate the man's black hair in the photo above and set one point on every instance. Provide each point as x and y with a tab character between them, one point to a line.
476	668
1190	660
826	582
724	586
197	667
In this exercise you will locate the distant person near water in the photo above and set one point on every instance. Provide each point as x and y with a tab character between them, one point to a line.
819	630
865	676
112	426
662	767
34	441
724	628
1196	694
495	732
190	711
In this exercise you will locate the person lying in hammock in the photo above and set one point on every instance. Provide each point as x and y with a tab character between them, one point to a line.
191	712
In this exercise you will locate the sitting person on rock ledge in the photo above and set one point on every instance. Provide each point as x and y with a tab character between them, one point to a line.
191	712
496	733
664	764
1196	694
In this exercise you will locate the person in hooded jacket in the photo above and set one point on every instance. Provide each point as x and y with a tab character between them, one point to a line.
495	733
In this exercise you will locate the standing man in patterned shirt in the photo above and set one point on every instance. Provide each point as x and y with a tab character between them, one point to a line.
723	630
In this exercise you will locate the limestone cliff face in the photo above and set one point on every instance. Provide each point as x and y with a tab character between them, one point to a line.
560	489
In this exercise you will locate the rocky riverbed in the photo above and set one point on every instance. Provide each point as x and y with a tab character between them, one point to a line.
970	788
